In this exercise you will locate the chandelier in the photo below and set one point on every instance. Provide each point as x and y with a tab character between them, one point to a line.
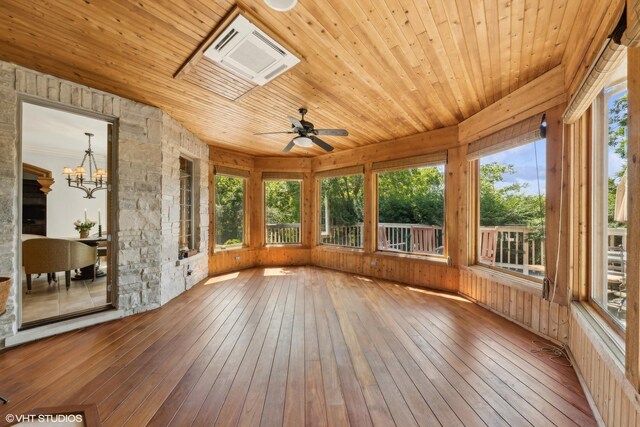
96	178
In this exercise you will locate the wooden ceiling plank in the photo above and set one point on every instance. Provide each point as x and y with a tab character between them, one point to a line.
411	104
403	19
439	60
555	21
468	37
383	70
505	36
530	21
569	20
469	102
353	54
538	54
517	28
482	37
493	37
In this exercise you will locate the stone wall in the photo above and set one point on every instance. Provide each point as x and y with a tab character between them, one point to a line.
176	142
148	148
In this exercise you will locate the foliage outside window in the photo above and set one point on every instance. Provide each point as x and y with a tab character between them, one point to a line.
411	210
342	210
185	241
609	214
512	209
282	211
229	215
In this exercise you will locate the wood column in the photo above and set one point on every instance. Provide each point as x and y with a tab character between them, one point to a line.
558	211
255	208
370	210
309	203
457	223
632	352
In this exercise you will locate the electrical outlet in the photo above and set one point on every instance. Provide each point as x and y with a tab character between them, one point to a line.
374	263
237	257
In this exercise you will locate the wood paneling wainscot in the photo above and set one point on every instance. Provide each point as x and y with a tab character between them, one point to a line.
602	371
517	303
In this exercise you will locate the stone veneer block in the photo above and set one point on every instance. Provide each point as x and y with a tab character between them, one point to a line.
150	143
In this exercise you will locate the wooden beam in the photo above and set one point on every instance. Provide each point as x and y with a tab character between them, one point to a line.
280	164
539	95
220	156
414	145
632	352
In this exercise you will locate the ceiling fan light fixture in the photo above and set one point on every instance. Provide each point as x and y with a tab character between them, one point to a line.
281	5
303	141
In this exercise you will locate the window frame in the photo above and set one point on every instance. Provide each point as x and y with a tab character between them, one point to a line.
192	243
376	210
318	197
475	240
264	216
245	213
598	163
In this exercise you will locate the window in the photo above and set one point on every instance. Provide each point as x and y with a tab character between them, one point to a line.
511	205
411	210
185	241
342	210
282	211
609	211
230	210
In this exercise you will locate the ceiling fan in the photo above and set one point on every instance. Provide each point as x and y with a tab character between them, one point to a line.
307	134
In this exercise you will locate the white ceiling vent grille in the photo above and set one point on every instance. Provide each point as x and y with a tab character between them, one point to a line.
244	49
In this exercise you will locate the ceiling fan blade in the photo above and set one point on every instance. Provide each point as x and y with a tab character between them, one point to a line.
295	123
320	143
331	132
289	146
271	133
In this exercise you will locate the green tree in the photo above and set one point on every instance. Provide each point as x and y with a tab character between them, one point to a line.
345	196
229	195
282	202
411	196
507	204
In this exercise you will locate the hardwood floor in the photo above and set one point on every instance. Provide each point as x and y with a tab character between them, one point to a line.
300	346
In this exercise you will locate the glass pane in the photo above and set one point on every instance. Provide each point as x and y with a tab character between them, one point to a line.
342	210
411	210
512	209
229	220
282	210
609	252
185	241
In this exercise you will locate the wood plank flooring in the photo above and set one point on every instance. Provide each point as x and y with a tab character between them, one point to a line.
300	346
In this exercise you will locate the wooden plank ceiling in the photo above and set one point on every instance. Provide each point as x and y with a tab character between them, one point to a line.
381	69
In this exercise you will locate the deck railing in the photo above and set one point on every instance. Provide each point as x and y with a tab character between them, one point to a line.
344	235
283	233
516	249
399	235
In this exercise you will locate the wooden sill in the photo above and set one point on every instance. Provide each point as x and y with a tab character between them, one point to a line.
285	246
531	286
337	248
602	335
243	248
434	259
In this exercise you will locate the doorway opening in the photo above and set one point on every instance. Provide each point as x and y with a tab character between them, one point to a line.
66	214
